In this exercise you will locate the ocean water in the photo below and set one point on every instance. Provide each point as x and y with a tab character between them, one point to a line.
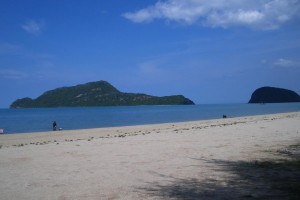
40	119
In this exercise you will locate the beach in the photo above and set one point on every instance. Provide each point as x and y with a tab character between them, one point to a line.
234	158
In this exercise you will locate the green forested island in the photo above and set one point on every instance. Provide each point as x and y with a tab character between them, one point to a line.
100	93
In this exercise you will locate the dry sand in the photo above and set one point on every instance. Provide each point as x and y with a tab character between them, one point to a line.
236	158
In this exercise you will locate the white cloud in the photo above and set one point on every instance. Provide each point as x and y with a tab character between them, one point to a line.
34	27
150	68
7	48
257	14
104	12
285	63
12	74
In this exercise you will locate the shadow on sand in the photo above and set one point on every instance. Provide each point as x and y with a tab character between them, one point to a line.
272	179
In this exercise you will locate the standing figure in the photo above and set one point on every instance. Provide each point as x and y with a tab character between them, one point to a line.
54	125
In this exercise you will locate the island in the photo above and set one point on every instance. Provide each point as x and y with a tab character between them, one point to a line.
274	95
99	93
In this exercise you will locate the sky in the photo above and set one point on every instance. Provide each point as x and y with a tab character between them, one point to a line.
216	51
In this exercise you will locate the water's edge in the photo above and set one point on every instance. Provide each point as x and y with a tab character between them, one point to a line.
40	119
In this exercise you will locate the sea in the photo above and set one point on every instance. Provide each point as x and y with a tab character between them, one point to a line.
40	119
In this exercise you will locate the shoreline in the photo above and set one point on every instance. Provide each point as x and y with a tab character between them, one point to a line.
40	120
234	158
23	139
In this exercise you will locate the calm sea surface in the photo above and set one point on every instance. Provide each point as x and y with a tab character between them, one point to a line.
40	119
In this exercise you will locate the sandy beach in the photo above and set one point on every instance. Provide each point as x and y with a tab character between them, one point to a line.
255	157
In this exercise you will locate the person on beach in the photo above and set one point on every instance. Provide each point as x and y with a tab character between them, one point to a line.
54	125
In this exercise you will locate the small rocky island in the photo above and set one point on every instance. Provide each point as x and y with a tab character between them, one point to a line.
100	93
274	95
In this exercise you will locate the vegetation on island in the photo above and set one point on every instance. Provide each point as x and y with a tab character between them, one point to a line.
100	93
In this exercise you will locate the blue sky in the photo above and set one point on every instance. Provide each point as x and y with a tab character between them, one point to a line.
216	51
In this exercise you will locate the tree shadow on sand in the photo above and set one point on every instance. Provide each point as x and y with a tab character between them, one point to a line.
272	179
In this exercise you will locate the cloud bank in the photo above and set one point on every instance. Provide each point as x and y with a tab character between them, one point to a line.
256	14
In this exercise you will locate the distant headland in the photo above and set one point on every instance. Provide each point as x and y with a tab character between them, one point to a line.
100	93
274	95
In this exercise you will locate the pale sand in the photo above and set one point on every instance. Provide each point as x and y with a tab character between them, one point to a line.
190	160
